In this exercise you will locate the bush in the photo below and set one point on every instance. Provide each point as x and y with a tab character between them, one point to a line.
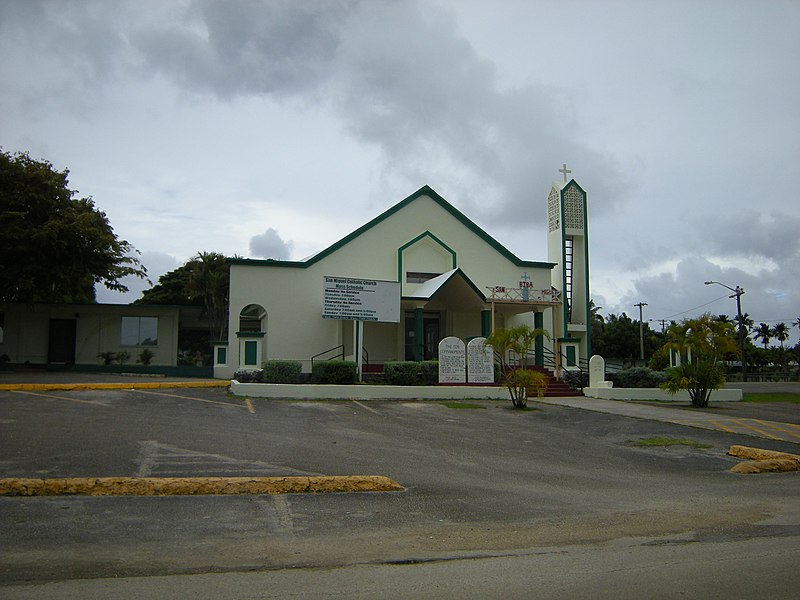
341	372
637	377
146	356
402	372
410	372
253	376
429	372
282	371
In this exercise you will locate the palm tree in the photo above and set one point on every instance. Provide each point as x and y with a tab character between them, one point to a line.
747	321
722	319
796	323
781	333
208	280
764	332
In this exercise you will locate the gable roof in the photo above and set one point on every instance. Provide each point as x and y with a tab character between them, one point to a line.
423	191
432	287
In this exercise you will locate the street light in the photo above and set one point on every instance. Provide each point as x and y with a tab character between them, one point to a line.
737	293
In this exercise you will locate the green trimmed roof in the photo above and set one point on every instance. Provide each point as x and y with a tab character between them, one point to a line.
423	191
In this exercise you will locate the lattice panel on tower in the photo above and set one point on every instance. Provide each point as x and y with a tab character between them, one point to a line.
573	208
553	221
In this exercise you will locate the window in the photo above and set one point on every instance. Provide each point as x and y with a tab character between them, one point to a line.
419	277
139	331
222	355
251	318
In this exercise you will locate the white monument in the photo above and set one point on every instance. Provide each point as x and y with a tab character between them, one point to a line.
452	361
597	373
480	361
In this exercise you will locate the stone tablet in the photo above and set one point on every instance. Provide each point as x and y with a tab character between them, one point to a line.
597	372
452	361
480	361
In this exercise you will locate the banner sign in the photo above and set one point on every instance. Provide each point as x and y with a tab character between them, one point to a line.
361	300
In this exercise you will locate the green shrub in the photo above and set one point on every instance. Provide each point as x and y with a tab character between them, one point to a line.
402	372
146	356
251	376
409	372
637	377
429	372
282	371
341	372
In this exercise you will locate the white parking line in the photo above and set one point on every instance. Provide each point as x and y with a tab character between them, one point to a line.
365	407
78	400
232	405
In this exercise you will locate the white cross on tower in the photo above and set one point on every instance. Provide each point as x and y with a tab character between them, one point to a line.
525	276
565	171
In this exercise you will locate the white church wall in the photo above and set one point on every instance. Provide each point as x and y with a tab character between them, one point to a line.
292	295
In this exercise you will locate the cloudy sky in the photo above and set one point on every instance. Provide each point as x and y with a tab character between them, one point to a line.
273	128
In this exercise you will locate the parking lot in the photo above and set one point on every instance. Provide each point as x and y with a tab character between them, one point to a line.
482	481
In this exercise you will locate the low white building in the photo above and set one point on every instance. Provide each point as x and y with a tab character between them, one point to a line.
76	334
451	278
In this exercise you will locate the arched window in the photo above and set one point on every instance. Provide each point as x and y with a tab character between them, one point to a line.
252	318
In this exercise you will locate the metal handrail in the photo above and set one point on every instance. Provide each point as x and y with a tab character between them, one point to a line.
340	354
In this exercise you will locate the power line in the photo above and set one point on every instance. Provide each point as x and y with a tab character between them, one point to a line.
694	308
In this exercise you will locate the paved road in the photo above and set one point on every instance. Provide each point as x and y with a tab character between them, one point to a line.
716	417
511	486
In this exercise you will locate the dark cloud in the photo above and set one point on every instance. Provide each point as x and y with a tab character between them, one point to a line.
397	74
270	245
774	236
281	47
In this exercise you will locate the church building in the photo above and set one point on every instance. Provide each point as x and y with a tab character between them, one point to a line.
415	274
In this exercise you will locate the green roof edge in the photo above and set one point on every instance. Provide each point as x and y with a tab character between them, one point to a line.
423	191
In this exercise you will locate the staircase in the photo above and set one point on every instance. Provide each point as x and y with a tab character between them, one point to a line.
555	387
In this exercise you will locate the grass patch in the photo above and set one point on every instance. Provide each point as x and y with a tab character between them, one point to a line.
790	397
462	405
665	441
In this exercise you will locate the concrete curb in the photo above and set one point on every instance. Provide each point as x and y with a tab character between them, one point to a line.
763	461
133	385
195	486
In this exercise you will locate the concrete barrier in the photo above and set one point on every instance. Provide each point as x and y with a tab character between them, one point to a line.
724	395
763	461
195	486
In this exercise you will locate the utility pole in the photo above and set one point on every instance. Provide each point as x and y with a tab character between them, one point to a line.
737	293
662	321
641	305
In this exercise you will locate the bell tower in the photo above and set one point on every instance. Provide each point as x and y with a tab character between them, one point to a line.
568	248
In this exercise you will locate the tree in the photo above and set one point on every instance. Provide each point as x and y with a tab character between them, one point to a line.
701	343
172	288
54	247
781	333
209	279
519	379
747	322
764	332
619	338
201	281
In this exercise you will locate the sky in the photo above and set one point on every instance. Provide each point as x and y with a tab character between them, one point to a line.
273	128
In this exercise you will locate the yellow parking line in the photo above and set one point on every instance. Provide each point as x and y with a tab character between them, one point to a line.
250	406
189	398
723	427
776	426
756	429
61	398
